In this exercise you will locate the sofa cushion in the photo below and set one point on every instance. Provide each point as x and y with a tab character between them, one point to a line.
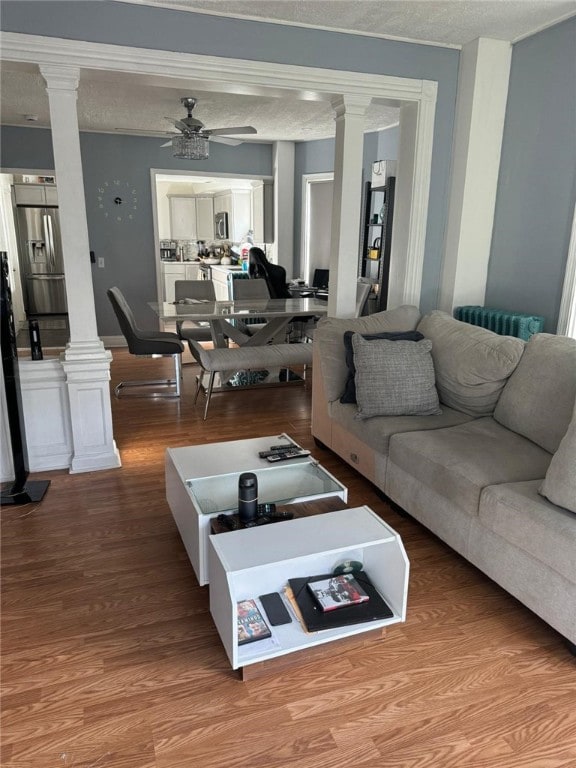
349	394
559	485
520	515
459	462
329	333
394	378
472	364
538	400
376	432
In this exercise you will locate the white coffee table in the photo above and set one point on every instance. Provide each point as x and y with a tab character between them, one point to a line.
247	563
202	482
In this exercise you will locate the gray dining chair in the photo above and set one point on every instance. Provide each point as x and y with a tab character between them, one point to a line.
245	289
199	290
146	344
362	292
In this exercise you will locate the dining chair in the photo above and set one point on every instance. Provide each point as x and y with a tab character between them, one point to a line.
362	292
199	290
243	289
146	344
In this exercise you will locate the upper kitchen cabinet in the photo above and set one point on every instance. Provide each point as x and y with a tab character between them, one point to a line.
36	194
205	218
182	217
237	203
263	211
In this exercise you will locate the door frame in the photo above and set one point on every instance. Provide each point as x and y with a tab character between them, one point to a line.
308	180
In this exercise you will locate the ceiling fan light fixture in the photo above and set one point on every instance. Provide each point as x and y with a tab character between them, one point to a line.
192	147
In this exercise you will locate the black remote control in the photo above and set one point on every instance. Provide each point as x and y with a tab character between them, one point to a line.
279	456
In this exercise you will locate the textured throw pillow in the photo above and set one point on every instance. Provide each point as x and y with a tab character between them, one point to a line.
349	394
394	378
559	485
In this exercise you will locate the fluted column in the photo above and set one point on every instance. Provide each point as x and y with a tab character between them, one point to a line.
85	361
347	203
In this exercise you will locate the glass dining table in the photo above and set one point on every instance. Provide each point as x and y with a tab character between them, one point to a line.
227	318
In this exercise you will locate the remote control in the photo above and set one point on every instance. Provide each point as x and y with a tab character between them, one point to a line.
265	510
276	449
287	455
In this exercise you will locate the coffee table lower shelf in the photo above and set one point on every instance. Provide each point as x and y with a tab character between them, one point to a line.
247	563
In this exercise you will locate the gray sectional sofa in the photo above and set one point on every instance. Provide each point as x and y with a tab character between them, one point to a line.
475	472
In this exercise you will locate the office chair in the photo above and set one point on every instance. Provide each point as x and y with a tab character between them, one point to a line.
146	344
202	290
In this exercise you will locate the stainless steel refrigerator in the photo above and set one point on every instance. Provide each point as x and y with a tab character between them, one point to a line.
41	262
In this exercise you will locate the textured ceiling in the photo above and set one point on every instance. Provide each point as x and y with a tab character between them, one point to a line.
452	22
138	104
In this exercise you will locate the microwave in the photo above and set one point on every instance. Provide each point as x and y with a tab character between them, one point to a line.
221	226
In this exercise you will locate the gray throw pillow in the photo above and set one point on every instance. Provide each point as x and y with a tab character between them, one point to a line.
394	378
559	485
349	394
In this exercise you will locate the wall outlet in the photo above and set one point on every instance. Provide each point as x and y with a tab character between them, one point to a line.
100	262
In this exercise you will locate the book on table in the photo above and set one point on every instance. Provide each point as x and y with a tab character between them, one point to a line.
315	619
251	623
337	591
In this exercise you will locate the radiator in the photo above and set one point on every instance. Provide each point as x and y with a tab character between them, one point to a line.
499	321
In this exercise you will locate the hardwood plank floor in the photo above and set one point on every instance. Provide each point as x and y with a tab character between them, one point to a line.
110	658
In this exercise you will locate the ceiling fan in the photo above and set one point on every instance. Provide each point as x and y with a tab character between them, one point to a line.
192	141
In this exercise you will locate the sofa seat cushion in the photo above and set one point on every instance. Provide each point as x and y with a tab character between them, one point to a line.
538	399
376	432
329	336
459	462
520	515
472	364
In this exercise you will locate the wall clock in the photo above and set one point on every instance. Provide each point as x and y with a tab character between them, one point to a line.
117	200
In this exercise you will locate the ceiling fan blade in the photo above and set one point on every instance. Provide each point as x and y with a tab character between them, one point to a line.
233	130
178	124
225	140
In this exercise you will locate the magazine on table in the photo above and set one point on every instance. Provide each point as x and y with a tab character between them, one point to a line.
337	592
251	623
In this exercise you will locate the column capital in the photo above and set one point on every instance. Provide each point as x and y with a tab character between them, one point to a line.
346	104
60	77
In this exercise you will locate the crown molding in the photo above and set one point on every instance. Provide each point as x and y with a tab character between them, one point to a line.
307	83
311	83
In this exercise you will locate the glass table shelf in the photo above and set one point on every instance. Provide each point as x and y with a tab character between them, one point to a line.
285	484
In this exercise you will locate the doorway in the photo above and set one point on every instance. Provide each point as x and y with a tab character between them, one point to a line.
317	194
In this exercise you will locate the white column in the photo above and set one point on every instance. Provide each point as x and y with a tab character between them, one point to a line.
85	361
480	112
347	203
284	152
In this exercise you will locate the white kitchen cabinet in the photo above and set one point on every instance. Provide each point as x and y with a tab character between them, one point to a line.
35	194
172	271
182	217
205	218
237	203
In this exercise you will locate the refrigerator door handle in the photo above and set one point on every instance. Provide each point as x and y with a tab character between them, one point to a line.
49	233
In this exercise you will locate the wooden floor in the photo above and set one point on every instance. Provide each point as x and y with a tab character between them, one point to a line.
111	659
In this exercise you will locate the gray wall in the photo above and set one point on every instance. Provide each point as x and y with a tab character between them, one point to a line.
318	157
537	183
166	29
128	245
